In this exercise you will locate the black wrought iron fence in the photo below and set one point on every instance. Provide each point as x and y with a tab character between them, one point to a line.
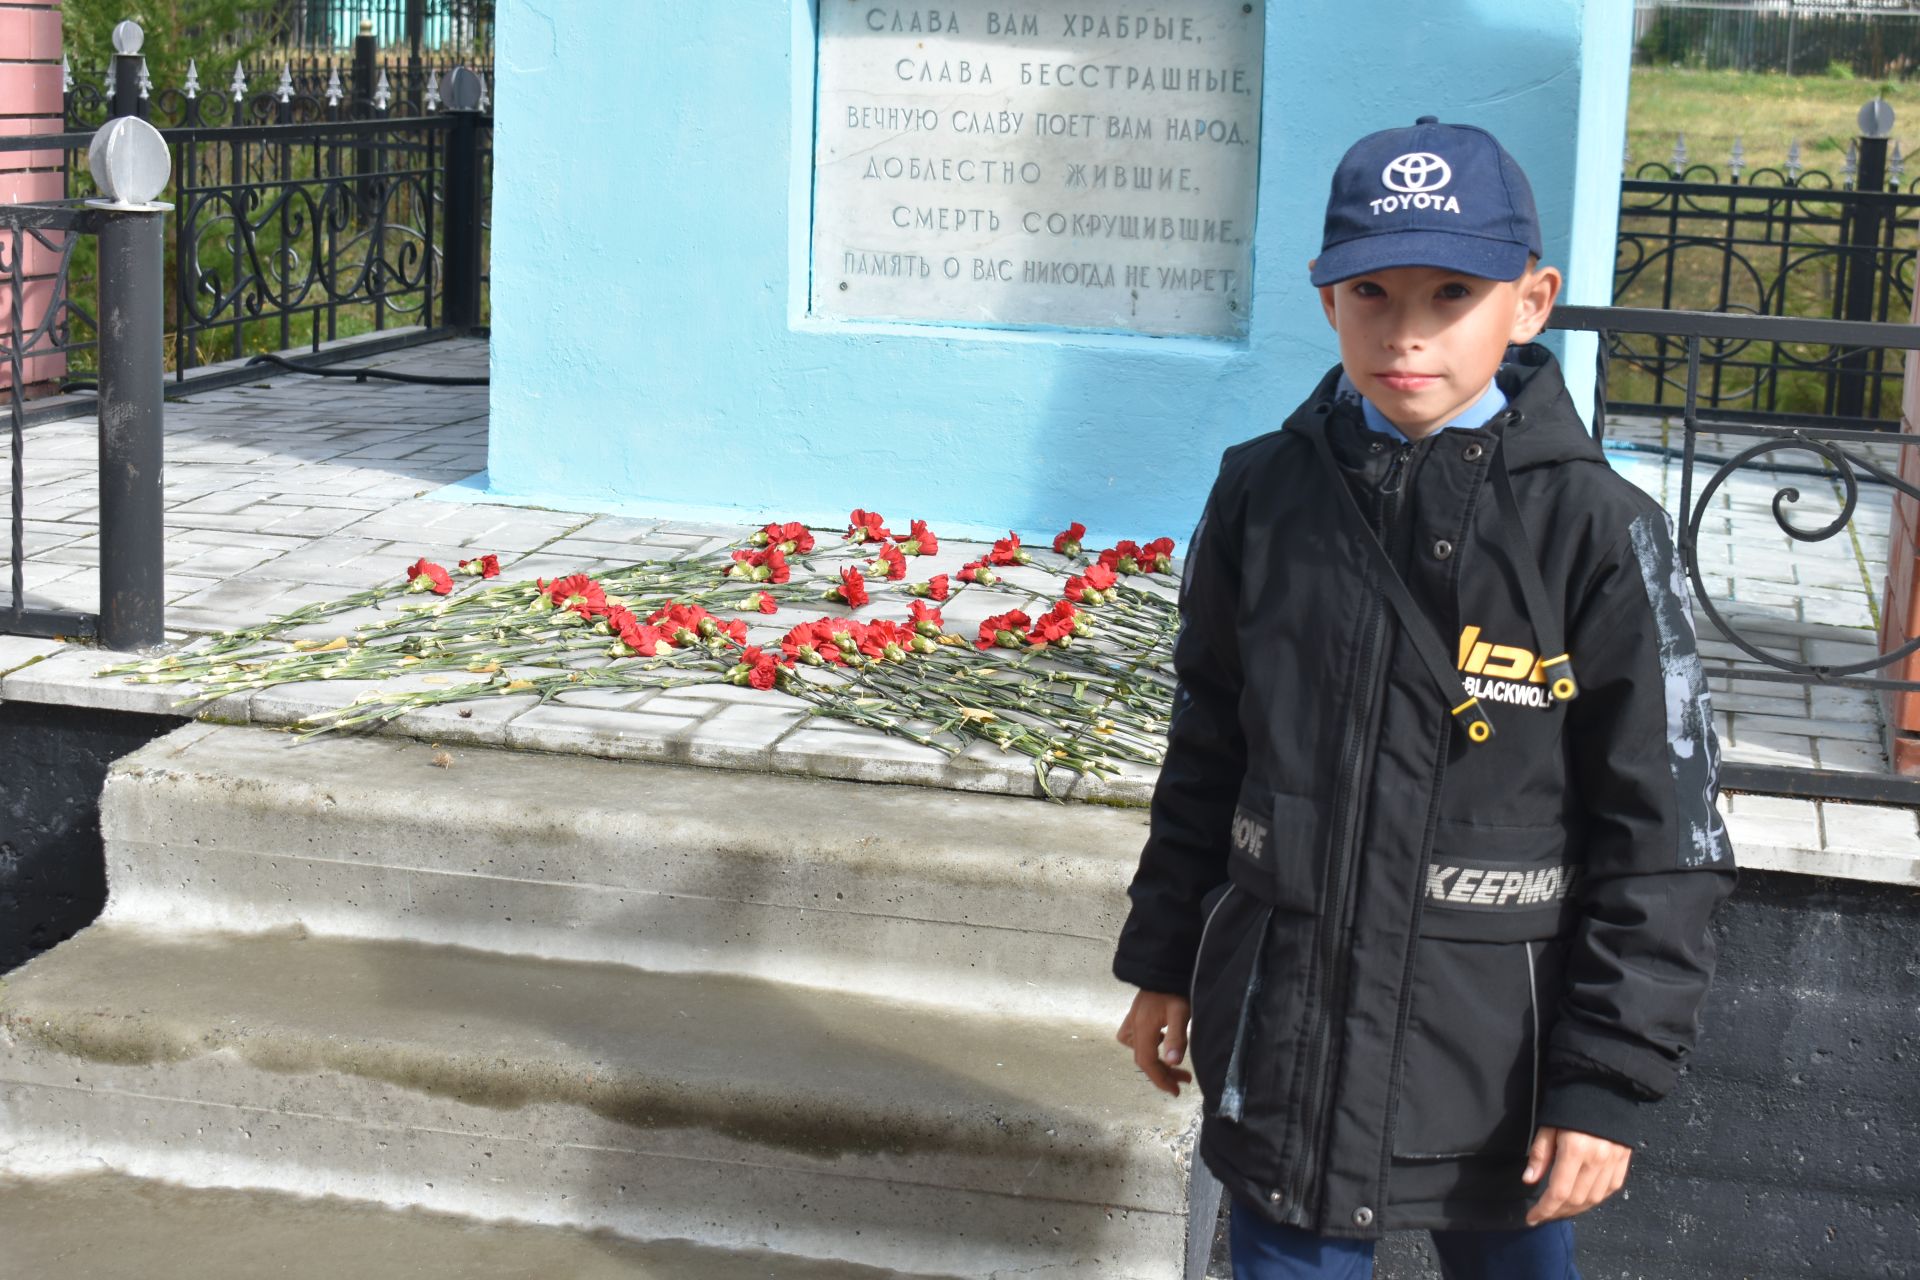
308	225
126	323
1767	241
320	88
1834	456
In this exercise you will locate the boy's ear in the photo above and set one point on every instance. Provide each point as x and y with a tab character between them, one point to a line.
1539	289
1326	298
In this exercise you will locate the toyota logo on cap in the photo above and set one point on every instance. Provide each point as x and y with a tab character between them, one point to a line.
1416	171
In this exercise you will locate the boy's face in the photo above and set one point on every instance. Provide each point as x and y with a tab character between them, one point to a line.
1423	343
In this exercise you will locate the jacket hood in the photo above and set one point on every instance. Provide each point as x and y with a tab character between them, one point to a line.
1548	430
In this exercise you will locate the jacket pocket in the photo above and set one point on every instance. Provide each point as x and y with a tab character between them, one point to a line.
1485	990
1224	972
1279	850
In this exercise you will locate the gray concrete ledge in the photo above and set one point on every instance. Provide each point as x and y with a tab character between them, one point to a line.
911	893
723	727
103	1226
724	1110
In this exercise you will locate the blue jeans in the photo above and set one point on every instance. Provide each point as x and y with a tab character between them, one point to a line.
1265	1251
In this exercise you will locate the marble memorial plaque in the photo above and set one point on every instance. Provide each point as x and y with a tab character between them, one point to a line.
1086	164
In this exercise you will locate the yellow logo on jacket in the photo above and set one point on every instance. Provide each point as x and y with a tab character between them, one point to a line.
1504	673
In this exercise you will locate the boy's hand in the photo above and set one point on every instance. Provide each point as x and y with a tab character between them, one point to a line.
1155	1013
1586	1170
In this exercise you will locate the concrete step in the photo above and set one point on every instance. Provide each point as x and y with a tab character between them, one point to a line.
729	1111
110	1227
987	902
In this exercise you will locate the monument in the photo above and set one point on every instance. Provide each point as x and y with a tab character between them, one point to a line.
990	264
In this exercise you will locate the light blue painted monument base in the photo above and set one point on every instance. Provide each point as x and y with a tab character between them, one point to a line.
651	349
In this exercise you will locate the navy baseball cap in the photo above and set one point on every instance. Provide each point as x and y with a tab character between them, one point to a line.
1434	195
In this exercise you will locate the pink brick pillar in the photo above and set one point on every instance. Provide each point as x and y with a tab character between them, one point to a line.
30	102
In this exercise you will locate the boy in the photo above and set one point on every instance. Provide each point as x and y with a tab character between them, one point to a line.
1434	847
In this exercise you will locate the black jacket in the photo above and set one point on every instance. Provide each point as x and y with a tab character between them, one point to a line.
1406	950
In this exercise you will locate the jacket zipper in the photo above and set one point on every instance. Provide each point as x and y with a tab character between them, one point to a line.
1334	925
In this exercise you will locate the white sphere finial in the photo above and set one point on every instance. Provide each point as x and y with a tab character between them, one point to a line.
128	37
130	161
464	90
1876	119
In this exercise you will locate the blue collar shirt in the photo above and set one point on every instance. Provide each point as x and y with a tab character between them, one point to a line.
1477	414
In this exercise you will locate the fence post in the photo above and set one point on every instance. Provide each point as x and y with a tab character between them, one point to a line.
362	109
1859	260
461	308
125	98
130	166
416	78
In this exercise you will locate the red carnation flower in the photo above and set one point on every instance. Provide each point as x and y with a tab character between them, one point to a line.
884	639
487	566
646	640
852	588
867	526
1084	589
762	602
1057	625
1007	551
1004	629
791	538
1067	541
833	638
1050	629
926	618
798	644
919	541
1101	577
978	572
577	592
1123	557
424	575
757	668
1157	556
689	624
769	565
895	562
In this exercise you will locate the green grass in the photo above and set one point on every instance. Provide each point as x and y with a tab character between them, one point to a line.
1766	112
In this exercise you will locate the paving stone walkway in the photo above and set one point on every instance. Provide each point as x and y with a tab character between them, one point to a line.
296	489
1815	602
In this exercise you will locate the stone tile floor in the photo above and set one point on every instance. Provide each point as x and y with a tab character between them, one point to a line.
296	489
1813	602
